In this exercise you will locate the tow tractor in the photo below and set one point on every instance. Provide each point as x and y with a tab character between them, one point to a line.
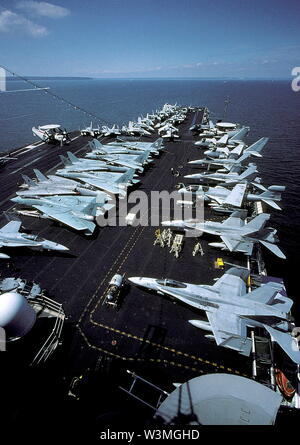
112	297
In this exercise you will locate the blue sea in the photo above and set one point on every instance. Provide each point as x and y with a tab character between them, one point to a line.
270	108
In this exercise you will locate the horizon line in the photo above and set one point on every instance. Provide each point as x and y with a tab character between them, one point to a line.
149	78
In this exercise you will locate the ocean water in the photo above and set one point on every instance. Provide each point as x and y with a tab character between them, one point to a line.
270	108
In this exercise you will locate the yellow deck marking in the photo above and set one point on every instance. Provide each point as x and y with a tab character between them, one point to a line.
124	255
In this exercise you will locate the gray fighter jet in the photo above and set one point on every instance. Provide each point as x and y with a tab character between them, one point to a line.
10	236
98	150
112	183
73	163
90	131
230	309
235	233
223	197
123	160
234	176
233	157
152	147
77	212
110	131
112	160
100	153
49	186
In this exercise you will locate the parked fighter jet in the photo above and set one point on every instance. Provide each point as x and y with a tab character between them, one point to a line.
113	131
53	185
235	197
137	129
230	309
97	148
51	134
72	163
145	123
231	158
10	236
152	147
90	131
227	164
234	176
76	212
232	138
112	183
141	157
236	235
123	160
168	131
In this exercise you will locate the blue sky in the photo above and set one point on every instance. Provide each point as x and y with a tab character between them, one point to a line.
151	38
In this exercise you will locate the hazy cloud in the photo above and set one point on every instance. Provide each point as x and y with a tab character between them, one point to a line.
43	9
12	22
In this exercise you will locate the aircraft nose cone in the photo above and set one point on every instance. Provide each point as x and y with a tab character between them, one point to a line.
3	255
193	176
16	199
135	280
55	246
175	223
60	247
211	153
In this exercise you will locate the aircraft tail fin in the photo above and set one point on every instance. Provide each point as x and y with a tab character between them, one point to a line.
11	227
126	177
269	196
142	157
29	181
287	342
72	157
40	176
64	160
256	223
158	143
91	208
95	144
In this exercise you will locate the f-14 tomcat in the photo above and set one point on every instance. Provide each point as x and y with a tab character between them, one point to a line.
152	147
230	309
77	212
10	236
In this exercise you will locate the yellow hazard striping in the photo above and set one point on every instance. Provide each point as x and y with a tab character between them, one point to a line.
136	359
166	348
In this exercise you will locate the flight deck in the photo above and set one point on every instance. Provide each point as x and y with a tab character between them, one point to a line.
148	333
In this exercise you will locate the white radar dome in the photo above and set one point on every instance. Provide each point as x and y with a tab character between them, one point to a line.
16	316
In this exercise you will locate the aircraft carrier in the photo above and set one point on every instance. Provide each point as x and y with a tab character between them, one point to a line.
148	334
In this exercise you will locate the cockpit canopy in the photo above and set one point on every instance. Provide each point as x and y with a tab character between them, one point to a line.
171	283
